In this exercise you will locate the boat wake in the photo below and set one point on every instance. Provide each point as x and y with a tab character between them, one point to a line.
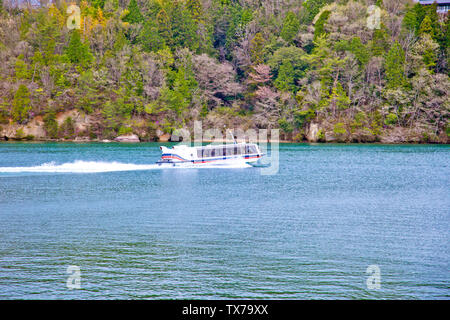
80	166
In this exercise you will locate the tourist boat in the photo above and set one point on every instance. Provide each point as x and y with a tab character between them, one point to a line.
211	154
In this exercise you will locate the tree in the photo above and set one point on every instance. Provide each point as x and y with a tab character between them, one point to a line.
218	80
285	79
409	22
21	104
290	28
257	49
149	37
425	53
260	75
380	41
310	9
426	27
195	9
319	28
292	54
21	68
394	65
77	51
50	123
164	27
178	96
338	98
134	14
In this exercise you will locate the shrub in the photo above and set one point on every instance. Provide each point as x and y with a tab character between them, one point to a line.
391	119
67	129
50	124
125	130
19	134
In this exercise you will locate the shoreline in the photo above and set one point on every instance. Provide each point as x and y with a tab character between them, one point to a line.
74	141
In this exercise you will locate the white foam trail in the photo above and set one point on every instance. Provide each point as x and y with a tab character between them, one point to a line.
80	166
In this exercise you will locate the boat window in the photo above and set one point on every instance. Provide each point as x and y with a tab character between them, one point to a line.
253	149
213	152
218	152
199	153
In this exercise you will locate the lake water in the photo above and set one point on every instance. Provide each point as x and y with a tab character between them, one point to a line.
310	231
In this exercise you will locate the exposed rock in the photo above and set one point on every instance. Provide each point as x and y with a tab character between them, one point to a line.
165	137
33	128
81	121
312	132
82	139
127	138
330	137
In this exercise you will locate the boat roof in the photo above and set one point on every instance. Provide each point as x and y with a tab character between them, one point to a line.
226	145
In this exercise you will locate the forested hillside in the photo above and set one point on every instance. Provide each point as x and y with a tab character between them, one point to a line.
314	69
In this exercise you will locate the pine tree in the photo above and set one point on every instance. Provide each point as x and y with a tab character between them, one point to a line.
394	65
409	22
134	14
77	51
149	37
257	49
426	27
291	25
319	27
50	123
21	104
164	26
285	79
380	41
21	68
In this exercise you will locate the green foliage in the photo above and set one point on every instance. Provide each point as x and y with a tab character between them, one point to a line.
124	130
290	28
149	37
134	14
380	41
294	55
50	123
286	75
425	27
77	51
338	98
394	65
19	134
319	28
67	129
21	68
285	125
195	9
356	47
391	119
311	8
257	49
271	68
409	22
178	95
340	132
301	118
321	135
21	104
